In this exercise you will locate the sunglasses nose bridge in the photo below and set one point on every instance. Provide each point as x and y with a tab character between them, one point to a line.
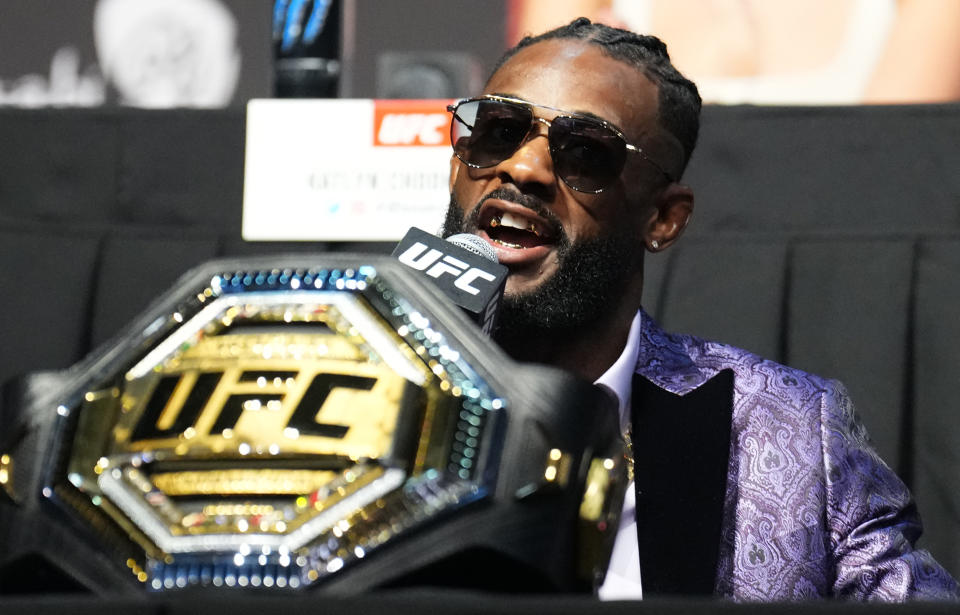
534	131
541	120
531	162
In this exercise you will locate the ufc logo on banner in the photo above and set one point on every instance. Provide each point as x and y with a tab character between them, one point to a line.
411	123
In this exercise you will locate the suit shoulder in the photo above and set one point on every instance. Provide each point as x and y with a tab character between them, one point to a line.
755	375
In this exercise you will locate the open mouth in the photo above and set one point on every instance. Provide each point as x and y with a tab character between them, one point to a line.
514	231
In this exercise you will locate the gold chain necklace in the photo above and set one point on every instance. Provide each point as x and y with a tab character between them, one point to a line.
628	452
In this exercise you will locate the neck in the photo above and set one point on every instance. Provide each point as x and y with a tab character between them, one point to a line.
587	351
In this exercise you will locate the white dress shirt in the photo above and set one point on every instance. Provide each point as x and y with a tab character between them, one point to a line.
623	573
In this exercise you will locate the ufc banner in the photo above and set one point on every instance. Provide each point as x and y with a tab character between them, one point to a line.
296	423
344	170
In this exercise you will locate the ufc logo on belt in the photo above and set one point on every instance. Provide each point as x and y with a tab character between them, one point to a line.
301	411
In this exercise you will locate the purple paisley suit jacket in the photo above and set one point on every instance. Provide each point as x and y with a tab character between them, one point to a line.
771	464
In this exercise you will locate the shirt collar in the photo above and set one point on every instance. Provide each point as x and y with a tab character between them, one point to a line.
618	379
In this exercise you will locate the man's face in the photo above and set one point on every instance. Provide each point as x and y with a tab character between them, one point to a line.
538	225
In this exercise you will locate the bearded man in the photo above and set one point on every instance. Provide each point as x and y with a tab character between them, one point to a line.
752	480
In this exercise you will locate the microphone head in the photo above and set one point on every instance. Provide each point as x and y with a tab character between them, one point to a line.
464	268
474	244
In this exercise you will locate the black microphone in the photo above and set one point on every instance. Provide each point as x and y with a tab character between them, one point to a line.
464	267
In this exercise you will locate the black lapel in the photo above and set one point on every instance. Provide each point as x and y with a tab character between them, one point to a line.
681	445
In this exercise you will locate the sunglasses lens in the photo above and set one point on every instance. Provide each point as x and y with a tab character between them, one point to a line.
487	132
587	155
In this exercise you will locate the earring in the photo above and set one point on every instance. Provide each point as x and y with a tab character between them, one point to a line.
654	245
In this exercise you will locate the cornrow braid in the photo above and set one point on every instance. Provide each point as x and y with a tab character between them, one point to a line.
679	101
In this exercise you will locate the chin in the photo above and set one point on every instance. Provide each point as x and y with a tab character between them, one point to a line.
520	285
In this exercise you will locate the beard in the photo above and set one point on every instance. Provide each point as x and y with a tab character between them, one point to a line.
585	290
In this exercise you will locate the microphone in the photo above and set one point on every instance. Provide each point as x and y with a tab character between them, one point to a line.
464	267
475	245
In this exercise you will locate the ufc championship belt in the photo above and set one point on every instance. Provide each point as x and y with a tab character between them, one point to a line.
298	422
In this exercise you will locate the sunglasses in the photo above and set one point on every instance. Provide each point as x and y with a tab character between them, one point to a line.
588	154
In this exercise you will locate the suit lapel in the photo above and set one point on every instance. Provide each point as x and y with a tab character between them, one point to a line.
681	446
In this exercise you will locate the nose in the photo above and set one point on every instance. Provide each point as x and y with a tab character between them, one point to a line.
530	168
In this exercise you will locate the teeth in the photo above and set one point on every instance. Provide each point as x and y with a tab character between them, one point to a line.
514	221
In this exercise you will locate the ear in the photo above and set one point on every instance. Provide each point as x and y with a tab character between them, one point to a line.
672	209
455	167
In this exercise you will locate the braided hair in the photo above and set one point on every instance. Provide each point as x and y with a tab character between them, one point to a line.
679	102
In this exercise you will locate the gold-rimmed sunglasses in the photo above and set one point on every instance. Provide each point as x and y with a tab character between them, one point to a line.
588	153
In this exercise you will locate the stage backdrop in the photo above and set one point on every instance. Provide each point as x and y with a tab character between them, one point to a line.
827	238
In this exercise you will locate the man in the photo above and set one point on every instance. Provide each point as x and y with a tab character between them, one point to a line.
753	480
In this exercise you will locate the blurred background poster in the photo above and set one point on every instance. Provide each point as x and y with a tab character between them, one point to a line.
222	53
145	53
787	51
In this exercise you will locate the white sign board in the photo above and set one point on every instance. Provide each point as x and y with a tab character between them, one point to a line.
345	170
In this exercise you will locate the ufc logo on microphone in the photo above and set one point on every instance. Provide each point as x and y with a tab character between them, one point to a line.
435	264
